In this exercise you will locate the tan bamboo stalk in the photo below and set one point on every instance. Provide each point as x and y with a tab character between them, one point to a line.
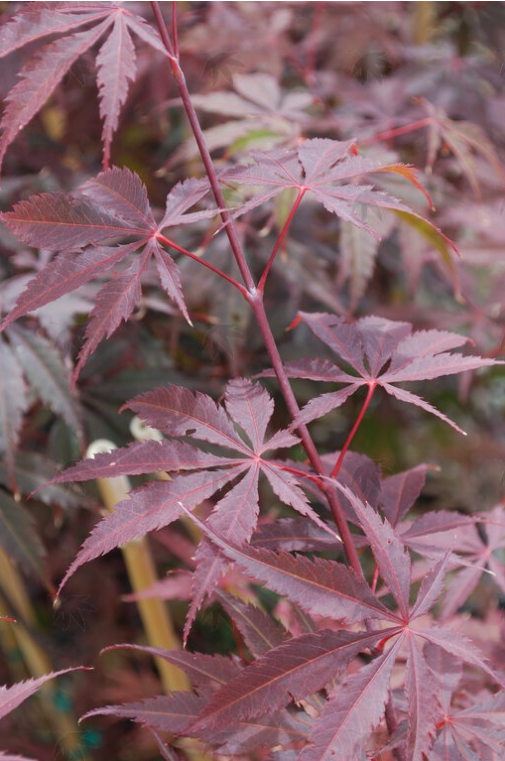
143	432
423	17
35	659
137	556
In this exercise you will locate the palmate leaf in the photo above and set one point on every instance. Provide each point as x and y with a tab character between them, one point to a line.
327	170
110	206
356	708
394	566
320	587
12	697
382	353
391	556
421	691
178	412
47	67
207	672
353	711
259	630
172	713
481	724
298	668
176	712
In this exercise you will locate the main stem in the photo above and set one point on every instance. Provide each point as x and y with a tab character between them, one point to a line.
255	298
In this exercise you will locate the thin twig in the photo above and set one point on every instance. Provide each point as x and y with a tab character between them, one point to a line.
371	388
282	235
174	28
204	263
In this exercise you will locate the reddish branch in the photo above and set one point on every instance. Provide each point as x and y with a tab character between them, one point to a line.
282	235
371	388
201	261
255	296
397	131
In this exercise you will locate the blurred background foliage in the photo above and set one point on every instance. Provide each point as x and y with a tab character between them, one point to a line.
265	75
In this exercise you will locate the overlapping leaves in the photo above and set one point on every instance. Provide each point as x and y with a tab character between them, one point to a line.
31	359
177	412
297	668
116	59
328	171
381	353
113	205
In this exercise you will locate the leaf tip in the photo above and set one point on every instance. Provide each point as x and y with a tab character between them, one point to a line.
292	325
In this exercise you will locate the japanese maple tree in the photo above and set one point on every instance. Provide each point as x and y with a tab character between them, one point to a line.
347	642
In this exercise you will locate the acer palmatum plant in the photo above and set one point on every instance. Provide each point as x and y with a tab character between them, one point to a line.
364	655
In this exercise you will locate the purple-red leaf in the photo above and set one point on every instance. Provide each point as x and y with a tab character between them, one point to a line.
182	197
204	671
123	191
400	492
170	277
326	170
65	273
367	346
60	222
115	70
353	711
432	586
421	691
36	23
141	457
292	534
172	713
407	396
149	508
459	645
176	411
40	77
321	587
114	303
12	697
259	630
48	65
250	407
392	557
291	671
112	205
